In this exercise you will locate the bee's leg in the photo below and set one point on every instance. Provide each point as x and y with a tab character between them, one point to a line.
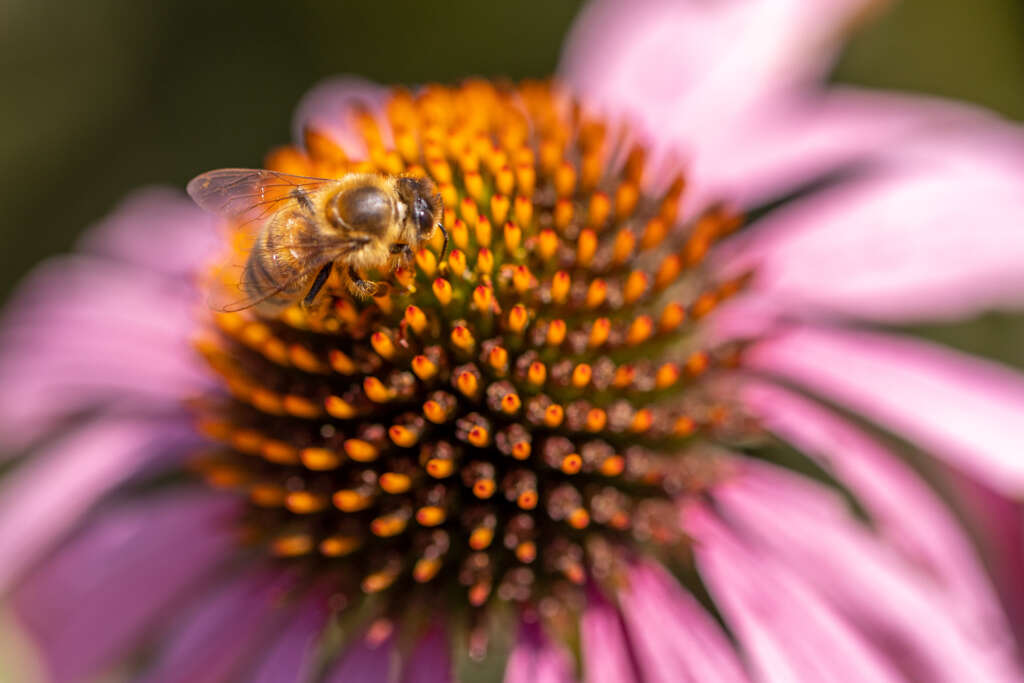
361	287
403	250
318	284
444	246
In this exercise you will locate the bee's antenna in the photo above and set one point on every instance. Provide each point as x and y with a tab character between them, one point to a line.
444	247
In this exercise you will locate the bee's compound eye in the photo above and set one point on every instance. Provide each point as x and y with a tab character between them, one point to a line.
422	216
424	205
366	209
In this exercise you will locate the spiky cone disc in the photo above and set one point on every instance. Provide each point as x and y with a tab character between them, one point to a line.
509	422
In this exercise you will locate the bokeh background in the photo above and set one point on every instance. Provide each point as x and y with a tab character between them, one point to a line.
103	96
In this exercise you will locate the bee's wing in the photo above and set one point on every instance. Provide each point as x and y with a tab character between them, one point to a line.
231	298
233	288
249	195
238	287
248	198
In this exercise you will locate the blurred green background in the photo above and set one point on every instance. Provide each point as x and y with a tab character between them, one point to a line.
108	95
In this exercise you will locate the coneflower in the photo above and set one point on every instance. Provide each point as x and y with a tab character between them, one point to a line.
629	426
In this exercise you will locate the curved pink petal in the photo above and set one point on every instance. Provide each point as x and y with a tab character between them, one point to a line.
936	233
690	59
999	526
84	334
787	631
673	637
366	661
430	661
44	498
159	229
535	659
606	656
103	590
330	108
904	510
965	410
693	75
291	658
109	327
803	529
221	633
841	129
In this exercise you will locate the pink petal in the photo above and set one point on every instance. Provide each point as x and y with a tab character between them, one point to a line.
787	631
789	522
159	229
535	659
97	597
800	139
693	74
605	650
935	234
329	108
365	661
999	525
691	58
905	512
113	325
45	497
430	661
82	332
292	656
965	410
673	637
221	633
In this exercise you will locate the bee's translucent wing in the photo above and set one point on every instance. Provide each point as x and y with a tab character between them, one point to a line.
247	198
249	195
231	297
236	288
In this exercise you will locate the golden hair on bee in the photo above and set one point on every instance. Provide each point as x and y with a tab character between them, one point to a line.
301	229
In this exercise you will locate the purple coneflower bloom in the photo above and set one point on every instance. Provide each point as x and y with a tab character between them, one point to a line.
641	423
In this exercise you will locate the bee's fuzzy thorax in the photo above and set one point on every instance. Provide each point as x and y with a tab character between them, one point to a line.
509	423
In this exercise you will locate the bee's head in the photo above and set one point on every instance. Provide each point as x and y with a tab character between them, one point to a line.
422	202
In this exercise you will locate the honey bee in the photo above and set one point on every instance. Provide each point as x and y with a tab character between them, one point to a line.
302	228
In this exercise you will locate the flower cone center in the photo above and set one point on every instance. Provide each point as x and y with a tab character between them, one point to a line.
507	421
